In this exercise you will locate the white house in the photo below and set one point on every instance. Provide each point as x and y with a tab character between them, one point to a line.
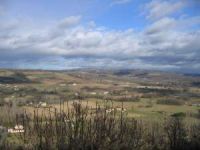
74	84
105	93
42	104
93	93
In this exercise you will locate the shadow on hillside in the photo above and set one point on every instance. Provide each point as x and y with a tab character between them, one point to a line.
16	78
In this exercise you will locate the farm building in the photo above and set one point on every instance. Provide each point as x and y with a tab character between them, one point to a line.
43	104
106	92
93	93
74	84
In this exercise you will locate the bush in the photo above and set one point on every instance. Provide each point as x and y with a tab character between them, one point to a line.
170	102
179	114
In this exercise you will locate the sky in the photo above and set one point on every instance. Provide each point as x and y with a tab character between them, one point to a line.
110	34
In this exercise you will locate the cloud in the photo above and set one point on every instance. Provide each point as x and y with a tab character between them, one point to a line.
69	21
166	43
157	9
119	2
161	25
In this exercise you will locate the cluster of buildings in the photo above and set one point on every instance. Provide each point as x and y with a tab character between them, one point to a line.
16	129
95	93
120	109
197	105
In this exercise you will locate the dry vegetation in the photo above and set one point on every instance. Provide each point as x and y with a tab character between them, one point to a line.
81	128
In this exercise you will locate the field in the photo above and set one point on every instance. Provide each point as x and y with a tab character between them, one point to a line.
145	94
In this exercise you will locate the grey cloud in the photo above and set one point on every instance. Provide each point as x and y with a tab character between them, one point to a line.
8	26
69	21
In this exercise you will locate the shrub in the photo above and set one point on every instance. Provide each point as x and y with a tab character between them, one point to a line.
179	114
176	133
89	129
170	102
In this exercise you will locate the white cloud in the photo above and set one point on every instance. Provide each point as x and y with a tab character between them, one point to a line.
157	9
163	24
